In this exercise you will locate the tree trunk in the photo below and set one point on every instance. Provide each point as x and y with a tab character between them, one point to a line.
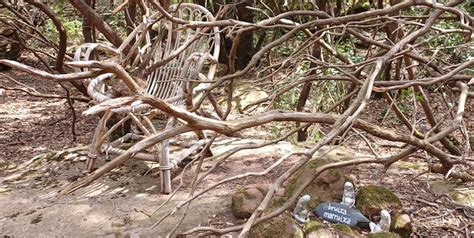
87	26
303	97
100	24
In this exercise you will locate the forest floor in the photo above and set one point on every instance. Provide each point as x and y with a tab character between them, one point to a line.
122	202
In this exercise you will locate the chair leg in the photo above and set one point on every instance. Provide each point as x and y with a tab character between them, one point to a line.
95	145
165	167
202	136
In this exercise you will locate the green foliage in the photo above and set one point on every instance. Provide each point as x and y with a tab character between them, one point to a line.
288	100
117	20
451	43
468	6
317	135
348	47
288	47
72	25
404	107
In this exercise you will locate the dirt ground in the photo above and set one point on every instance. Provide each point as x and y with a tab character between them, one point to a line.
121	204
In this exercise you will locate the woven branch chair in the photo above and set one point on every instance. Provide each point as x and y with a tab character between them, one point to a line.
168	57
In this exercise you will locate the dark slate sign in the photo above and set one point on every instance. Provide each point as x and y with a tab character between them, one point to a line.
340	213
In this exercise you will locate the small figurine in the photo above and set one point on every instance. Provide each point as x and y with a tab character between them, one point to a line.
384	223
374	228
348	197
301	210
385	220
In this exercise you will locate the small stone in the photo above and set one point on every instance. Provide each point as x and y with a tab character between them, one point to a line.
246	200
401	224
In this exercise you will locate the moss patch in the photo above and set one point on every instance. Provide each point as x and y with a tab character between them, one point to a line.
316	163
370	200
311	226
408	165
282	226
237	202
383	235
343	227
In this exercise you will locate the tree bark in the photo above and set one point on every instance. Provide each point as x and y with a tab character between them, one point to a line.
100	24
87	26
303	97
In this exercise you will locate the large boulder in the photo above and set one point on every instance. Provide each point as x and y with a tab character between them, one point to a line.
329	185
371	199
401	224
247	199
282	226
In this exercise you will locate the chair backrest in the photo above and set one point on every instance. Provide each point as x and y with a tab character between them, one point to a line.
180	51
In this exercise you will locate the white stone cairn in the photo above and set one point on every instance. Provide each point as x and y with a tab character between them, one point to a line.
301	212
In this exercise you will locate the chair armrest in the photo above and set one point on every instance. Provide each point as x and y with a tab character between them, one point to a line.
84	52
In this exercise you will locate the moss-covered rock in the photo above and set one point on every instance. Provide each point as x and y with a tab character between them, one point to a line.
384	235
311	226
328	187
401	224
343	228
282	226
322	233
370	200
246	200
